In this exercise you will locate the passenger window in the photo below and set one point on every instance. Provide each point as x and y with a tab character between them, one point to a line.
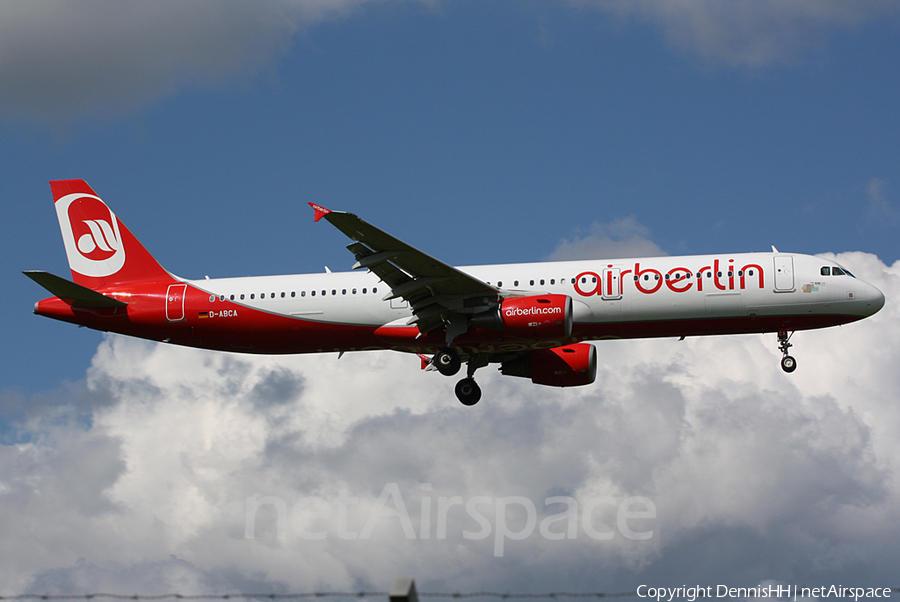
312	293
825	271
232	297
252	296
293	294
364	291
282	295
542	282
374	290
302	293
553	281
516	283
531	283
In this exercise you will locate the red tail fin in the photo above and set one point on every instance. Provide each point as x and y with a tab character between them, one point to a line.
101	250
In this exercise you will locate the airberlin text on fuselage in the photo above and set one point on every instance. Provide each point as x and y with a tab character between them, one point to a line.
720	275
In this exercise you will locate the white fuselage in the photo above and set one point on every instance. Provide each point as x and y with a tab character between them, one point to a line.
604	291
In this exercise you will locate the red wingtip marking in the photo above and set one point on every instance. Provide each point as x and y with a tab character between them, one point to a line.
320	211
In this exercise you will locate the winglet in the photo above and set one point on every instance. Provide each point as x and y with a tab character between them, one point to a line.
320	211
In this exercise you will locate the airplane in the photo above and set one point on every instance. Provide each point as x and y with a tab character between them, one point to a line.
535	320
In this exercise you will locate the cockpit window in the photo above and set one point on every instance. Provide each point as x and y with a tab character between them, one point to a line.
836	271
825	271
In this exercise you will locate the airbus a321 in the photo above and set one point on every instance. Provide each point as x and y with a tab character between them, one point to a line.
533	319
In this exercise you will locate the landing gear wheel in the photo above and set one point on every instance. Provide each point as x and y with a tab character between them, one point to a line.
447	361
468	392
788	363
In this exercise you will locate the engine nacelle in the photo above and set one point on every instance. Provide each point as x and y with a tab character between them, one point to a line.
568	366
535	317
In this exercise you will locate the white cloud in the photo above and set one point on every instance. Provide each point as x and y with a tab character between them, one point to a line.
624	237
880	209
751	472
751	33
59	60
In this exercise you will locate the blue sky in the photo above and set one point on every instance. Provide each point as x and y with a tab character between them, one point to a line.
480	132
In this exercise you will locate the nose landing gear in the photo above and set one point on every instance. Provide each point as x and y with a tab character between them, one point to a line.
788	363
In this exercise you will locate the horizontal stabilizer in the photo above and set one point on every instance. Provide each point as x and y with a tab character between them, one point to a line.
73	294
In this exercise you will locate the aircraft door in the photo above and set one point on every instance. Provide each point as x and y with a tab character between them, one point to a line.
175	302
784	273
612	284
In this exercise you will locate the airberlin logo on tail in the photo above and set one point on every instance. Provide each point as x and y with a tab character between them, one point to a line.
90	232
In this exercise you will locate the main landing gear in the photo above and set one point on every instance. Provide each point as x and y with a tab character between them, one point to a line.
468	392
448	363
788	363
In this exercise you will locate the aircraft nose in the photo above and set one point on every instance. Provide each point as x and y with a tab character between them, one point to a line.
874	299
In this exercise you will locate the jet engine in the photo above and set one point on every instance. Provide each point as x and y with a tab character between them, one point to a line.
534	317
567	366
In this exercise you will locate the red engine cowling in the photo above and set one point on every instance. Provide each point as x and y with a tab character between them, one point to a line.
537	317
568	366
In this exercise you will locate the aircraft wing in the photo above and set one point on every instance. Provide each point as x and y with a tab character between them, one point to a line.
436	291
